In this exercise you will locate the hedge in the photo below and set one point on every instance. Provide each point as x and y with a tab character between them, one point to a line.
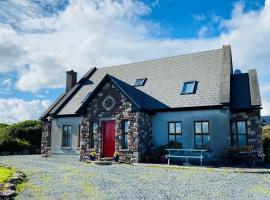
22	137
266	143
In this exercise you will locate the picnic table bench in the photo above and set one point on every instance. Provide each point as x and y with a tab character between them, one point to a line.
186	153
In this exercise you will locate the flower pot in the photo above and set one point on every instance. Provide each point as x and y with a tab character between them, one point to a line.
92	158
116	159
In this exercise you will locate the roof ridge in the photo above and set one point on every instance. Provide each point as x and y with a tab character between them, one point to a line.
163	58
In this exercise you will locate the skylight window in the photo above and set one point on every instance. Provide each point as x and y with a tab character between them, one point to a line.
139	82
189	87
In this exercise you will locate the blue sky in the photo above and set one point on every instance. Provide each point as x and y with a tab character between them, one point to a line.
40	40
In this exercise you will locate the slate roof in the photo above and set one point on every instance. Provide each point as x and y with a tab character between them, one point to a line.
140	99
165	79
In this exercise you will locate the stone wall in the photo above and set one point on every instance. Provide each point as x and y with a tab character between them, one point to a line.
117	108
253	119
45	139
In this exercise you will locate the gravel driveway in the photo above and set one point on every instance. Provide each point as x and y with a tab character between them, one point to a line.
63	177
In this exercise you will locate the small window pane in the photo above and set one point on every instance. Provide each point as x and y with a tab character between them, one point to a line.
188	87
242	140
93	132
234	140
95	127
179	139
66	136
172	128
241	127
198	141
205	127
171	138
233	128
139	82
125	135
198	127
126	140
206	141
126	127
178	127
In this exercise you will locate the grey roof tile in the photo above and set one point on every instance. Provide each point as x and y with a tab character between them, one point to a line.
165	78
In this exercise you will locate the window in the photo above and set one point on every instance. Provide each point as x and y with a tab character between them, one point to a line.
124	135
239	133
139	82
93	132
202	134
175	134
66	136
79	136
189	87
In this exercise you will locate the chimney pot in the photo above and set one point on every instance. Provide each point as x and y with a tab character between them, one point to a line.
71	79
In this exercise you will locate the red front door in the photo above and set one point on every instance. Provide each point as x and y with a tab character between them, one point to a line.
108	138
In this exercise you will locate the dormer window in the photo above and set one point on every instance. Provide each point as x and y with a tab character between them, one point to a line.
139	82
189	87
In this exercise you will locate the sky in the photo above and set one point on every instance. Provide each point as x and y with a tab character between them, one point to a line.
41	39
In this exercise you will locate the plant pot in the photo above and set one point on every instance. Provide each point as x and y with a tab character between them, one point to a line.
92	158
116	159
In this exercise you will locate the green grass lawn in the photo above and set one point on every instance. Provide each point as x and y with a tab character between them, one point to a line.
5	174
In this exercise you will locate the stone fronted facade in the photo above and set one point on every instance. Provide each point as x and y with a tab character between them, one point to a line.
119	108
254	129
45	138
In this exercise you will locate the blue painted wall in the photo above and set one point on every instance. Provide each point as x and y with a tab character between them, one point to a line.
57	131
219	124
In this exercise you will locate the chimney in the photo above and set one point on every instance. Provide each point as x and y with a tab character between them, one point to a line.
226	46
71	79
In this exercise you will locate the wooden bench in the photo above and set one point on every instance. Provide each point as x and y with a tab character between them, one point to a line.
185	153
244	149
244	154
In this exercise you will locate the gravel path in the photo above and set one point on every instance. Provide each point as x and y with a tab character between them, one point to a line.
64	177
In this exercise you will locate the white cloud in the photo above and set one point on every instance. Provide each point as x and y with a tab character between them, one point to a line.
202	32
105	32
14	110
215	18
7	83
198	17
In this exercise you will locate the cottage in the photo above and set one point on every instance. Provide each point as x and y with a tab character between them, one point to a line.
192	101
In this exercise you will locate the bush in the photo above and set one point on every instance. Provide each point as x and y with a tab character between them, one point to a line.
266	143
21	137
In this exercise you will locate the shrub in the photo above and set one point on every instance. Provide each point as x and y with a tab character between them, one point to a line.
22	136
266	143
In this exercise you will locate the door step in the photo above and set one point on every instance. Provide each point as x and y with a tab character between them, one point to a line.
107	159
102	162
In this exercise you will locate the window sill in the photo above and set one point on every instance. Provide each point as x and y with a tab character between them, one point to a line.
65	147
